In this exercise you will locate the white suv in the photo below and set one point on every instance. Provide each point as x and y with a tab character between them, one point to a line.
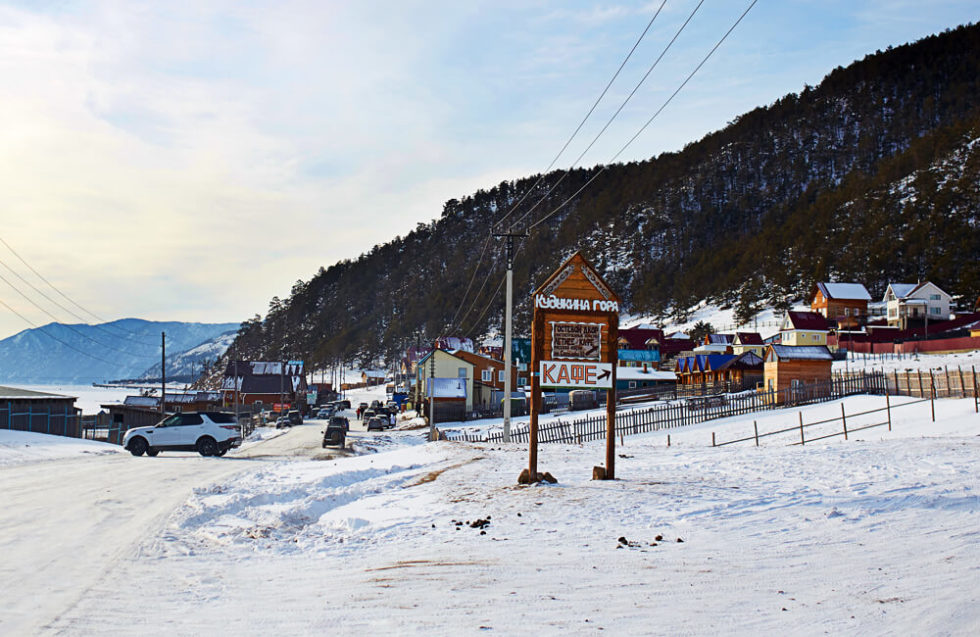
209	433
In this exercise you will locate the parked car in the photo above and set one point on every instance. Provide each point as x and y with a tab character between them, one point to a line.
375	405
368	414
282	422
325	413
336	432
344	404
209	433
392	407
295	418
378	423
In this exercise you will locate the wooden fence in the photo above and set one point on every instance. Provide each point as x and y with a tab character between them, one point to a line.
844	429
56	419
689	411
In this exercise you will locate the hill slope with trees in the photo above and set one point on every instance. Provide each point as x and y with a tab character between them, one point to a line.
870	176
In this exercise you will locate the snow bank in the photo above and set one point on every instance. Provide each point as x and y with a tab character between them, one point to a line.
22	446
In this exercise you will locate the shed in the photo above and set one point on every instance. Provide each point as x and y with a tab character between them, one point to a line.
794	368
40	412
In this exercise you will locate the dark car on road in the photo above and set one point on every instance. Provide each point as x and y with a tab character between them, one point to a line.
295	418
336	432
368	414
377	423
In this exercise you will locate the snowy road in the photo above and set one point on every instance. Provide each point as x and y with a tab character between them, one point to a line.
78	520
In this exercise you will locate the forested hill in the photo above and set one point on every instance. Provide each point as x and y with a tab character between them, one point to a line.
871	176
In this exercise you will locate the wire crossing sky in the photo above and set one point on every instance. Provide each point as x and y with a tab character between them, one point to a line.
189	161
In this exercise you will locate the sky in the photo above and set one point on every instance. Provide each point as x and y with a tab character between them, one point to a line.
191	160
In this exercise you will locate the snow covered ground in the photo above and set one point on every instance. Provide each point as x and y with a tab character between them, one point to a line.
879	534
20	446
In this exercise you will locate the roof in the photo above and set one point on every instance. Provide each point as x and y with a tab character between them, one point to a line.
748	338
374	373
746	360
637	337
637	373
15	393
844	291
716	339
901	290
801	352
807	321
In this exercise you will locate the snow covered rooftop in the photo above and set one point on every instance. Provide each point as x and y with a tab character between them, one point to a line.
802	352
851	291
14	393
637	373
901	290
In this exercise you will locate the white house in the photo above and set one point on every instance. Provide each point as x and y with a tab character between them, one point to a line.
913	304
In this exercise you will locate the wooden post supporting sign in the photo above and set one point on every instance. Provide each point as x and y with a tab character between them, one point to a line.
574	346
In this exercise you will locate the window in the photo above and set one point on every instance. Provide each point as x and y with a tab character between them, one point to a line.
521	381
933	297
892	312
935	310
500	376
632	384
191	419
461	372
816	337
487	375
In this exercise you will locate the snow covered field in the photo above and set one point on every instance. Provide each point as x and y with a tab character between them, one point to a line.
879	534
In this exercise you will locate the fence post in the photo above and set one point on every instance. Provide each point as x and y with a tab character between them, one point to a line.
932	395
802	439
976	405
898	390
922	389
959	369
668	440
949	387
712	439
755	426
843	418
888	409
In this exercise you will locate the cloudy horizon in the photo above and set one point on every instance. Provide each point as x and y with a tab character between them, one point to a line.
189	162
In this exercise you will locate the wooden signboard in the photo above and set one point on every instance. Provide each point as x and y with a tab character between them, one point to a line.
574	338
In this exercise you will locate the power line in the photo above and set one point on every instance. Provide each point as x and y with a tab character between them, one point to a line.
616	114
57	320
43	331
453	324
65	296
648	122
68	311
587	115
476	271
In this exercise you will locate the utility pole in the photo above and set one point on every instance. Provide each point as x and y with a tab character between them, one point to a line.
508	320
236	391
432	394
163	375
282	377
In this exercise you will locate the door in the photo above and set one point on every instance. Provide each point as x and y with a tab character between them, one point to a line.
164	434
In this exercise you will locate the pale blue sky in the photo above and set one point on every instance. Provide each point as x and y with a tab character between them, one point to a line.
188	161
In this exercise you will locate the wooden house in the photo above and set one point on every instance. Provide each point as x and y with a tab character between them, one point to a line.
264	382
802	368
844	303
643	377
803	329
745	370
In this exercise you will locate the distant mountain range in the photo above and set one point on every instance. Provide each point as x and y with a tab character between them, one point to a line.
124	349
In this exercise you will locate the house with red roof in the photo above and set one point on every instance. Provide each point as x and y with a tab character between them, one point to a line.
803	329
